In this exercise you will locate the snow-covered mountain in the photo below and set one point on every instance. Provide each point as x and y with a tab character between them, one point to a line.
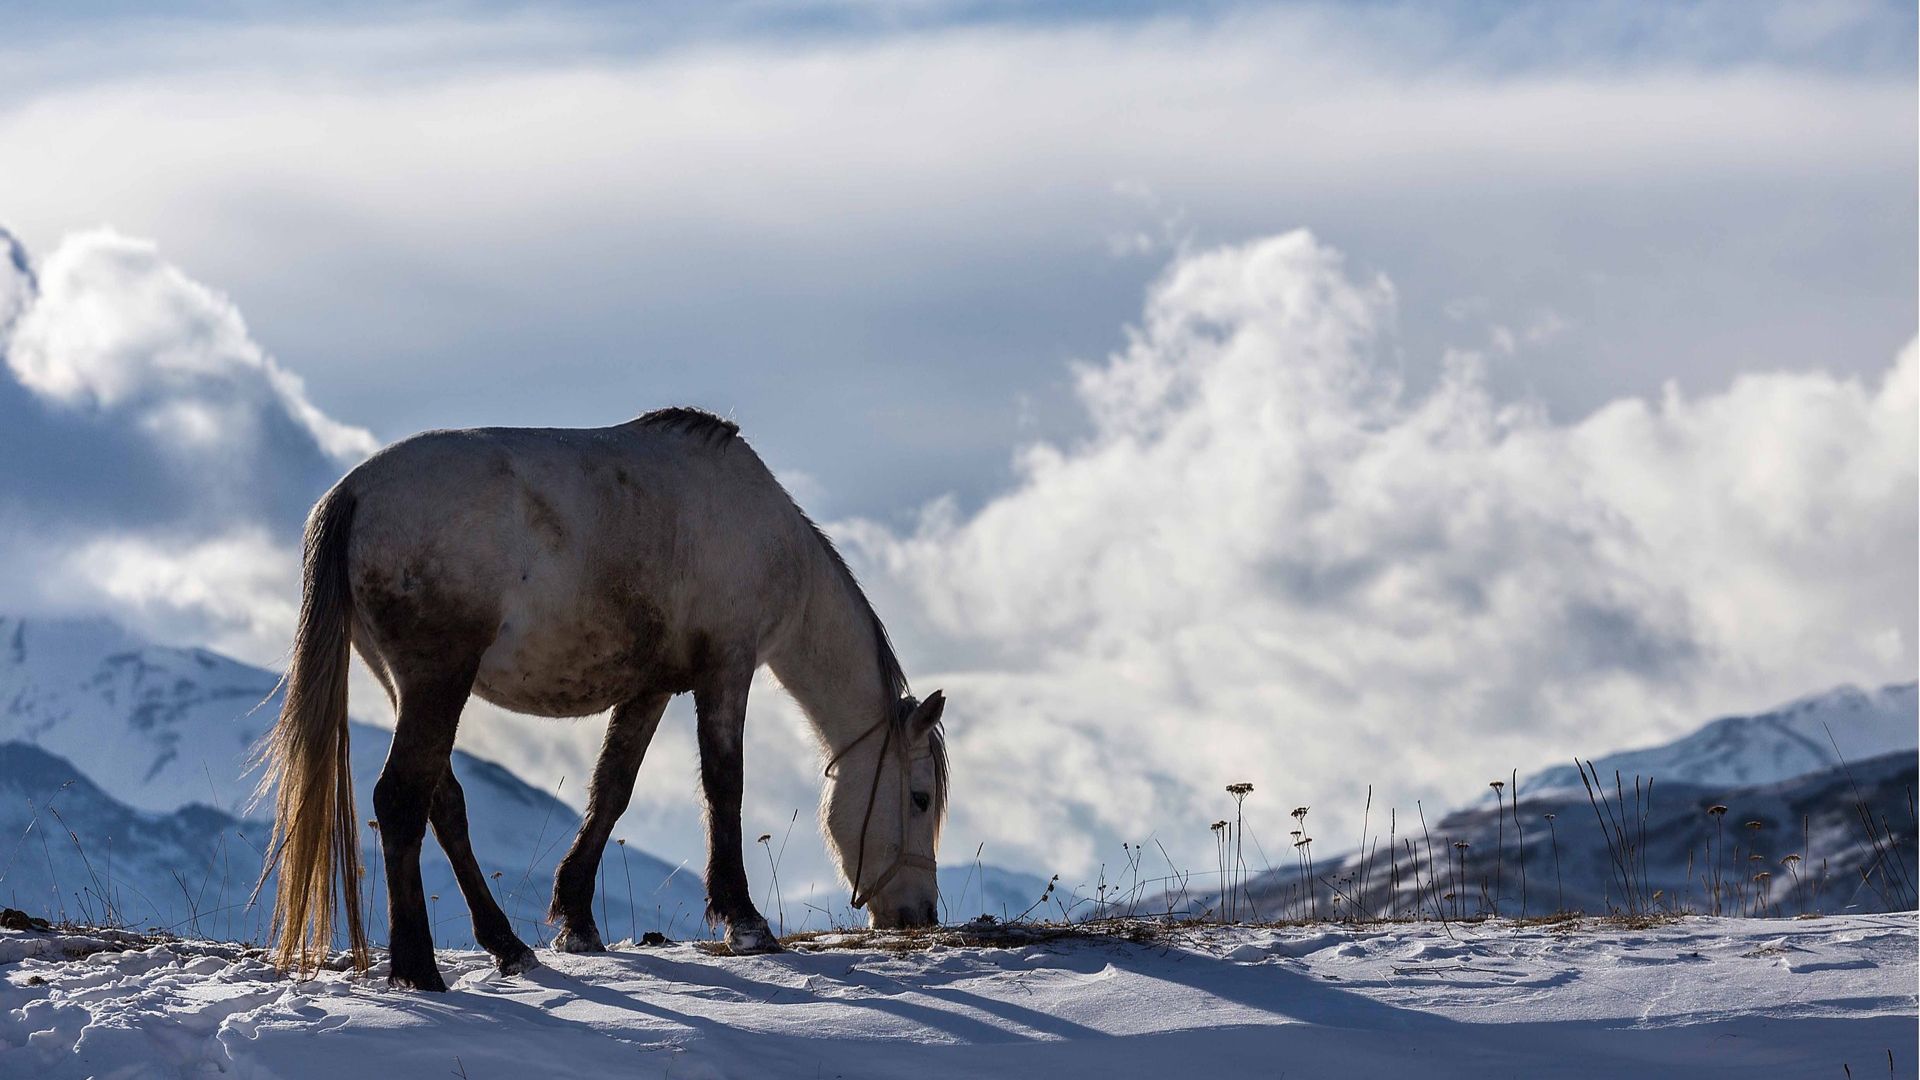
158	727
1692	858
1790	741
1777	769
144	750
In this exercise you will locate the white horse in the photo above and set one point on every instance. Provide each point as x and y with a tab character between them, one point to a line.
563	573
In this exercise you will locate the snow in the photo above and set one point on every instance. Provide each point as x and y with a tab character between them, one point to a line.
1698	997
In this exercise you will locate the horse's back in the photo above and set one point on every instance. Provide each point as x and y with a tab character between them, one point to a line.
591	564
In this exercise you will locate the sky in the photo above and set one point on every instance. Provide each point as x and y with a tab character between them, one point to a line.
1318	395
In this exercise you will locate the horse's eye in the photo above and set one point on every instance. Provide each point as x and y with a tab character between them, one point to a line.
921	800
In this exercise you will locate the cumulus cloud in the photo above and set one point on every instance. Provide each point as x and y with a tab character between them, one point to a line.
116	329
1271	561
1268	559
159	460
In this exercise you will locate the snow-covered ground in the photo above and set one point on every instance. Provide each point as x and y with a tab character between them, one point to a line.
1695	998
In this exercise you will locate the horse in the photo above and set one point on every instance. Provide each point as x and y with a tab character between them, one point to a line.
564	573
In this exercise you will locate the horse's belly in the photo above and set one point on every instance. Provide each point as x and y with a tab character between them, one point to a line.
586	667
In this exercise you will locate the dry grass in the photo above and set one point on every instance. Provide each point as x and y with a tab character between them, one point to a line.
78	940
1158	931
1569	922
986	934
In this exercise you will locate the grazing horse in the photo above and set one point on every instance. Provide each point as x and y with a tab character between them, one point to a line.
564	573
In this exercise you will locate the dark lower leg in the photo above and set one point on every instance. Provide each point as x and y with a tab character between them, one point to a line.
629	732
490	926
402	801
723	716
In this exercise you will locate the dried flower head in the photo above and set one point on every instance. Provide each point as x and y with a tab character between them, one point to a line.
1716	809
1299	811
764	837
1788	859
1496	784
1241	788
1753	825
1461	844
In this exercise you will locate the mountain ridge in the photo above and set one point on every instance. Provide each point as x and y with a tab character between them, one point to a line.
1809	733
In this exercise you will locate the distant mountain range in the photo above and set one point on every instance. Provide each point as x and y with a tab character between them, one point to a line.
124	783
1784	793
1795	739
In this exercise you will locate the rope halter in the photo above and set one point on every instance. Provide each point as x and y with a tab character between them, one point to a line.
901	857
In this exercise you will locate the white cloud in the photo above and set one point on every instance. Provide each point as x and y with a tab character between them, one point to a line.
159	460
1269	562
238	592
117	328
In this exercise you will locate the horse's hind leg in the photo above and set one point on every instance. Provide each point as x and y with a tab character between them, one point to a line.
722	705
629	731
423	733
490	926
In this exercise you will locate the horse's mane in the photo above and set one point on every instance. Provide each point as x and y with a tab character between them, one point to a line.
715	430
891	674
698	423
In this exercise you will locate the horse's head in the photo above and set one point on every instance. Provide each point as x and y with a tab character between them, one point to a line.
882	811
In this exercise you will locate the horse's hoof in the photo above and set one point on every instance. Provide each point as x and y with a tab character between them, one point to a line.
752	938
579	941
519	963
428	980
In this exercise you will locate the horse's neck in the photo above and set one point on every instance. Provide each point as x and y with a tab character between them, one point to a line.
831	664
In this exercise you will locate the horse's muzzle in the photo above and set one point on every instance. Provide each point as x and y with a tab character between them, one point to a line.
925	916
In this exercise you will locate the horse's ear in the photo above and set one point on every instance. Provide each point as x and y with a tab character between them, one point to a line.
925	715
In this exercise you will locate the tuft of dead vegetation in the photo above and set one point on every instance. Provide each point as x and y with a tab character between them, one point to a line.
990	933
1157	931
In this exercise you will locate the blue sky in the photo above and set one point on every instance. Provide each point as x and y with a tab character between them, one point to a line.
1600	303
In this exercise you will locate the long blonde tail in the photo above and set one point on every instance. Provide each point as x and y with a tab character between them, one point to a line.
309	768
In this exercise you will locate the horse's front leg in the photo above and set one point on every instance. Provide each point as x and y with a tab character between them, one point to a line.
629	732
722	705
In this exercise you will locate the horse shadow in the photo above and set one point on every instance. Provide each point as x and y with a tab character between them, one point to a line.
1265	994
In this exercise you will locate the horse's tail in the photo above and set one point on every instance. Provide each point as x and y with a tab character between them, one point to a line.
315	834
